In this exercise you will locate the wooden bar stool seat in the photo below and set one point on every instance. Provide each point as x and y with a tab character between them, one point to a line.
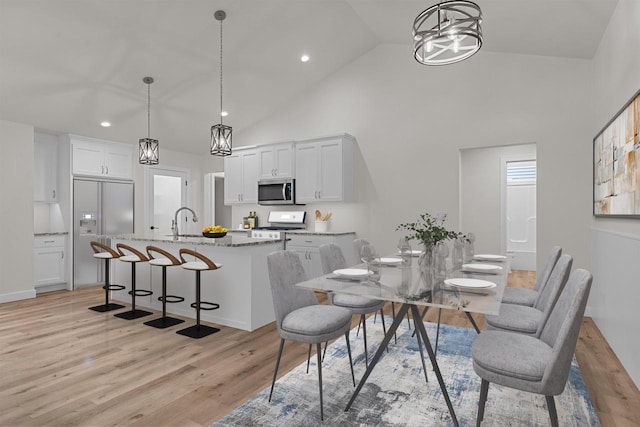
204	264
133	256
104	252
166	260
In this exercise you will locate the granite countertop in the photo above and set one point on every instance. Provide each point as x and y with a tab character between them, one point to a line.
230	240
52	233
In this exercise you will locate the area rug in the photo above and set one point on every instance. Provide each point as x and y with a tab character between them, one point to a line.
396	393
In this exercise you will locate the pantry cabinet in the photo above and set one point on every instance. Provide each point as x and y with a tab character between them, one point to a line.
102	159
325	169
45	168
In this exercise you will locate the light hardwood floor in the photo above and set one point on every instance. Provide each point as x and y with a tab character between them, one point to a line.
64	365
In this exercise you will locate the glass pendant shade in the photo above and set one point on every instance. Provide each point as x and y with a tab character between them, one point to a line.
149	151
221	136
447	33
149	148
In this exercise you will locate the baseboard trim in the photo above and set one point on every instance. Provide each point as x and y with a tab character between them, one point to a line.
17	296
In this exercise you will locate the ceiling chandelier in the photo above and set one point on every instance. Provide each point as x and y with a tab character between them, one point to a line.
220	133
447	33
149	154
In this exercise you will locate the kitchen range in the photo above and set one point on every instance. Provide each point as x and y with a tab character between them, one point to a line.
281	222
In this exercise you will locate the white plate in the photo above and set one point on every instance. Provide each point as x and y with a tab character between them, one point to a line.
390	261
485	268
352	273
489	257
414	252
460	282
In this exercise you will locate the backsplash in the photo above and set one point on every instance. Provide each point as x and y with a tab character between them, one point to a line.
47	218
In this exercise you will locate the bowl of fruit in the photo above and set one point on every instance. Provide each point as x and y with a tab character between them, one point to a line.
214	231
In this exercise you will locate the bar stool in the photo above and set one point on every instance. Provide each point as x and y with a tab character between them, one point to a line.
167	260
107	255
133	257
198	330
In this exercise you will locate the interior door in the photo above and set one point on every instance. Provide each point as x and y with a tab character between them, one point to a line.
166	192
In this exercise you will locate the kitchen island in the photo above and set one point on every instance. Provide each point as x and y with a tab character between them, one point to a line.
241	286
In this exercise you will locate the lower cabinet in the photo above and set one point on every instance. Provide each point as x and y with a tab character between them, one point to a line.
307	246
49	262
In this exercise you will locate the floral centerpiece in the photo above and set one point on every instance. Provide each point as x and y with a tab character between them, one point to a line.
429	230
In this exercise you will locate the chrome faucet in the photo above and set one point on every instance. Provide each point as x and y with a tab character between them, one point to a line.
174	223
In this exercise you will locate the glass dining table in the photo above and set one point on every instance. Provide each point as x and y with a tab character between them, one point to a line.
406	284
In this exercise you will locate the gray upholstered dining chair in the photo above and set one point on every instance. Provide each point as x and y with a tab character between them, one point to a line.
531	320
332	259
537	365
299	317
523	296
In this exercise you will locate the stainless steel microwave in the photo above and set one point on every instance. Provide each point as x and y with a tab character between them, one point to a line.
277	191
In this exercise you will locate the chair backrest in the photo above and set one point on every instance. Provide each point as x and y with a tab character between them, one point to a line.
562	330
358	244
552	258
550	293
285	270
331	257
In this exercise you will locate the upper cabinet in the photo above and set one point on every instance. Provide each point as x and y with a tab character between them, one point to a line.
45	164
276	160
241	177
101	158
325	169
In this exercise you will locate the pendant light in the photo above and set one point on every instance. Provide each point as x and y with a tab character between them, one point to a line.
149	154
220	133
447	33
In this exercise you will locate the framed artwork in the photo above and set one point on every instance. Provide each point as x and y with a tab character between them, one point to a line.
616	164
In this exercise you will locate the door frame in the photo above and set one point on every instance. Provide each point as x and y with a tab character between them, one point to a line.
149	173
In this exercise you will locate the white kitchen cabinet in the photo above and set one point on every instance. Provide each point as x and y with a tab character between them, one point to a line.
241	177
276	160
325	169
49	260
45	168
307	246
104	159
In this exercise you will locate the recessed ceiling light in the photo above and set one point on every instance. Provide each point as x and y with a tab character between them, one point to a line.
304	58
224	114
105	124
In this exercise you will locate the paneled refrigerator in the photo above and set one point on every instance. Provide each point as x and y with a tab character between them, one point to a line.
99	208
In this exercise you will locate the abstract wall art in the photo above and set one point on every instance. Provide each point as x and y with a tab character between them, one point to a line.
616	164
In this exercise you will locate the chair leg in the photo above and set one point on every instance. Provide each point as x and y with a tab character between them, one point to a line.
553	414
319	350
384	326
364	334
308	358
326	343
275	373
393	314
353	377
484	390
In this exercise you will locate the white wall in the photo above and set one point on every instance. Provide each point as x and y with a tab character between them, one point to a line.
615	243
410	122
16	211
480	191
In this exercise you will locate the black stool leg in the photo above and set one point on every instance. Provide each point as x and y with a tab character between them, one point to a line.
197	330
133	313
164	321
106	306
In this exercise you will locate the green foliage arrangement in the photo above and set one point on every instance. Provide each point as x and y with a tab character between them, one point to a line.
429	230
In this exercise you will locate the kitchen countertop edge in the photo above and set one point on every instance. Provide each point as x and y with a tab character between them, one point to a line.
227	241
53	233
319	233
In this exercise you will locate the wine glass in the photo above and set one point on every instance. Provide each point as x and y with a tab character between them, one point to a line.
404	249
370	258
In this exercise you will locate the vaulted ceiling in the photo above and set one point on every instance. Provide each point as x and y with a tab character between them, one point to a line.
67	65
